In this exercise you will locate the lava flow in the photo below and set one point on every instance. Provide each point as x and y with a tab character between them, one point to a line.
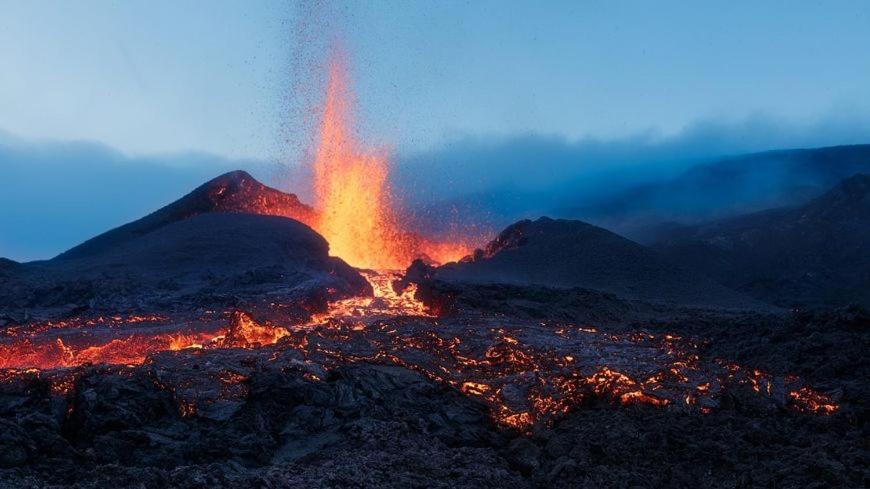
527	372
125	341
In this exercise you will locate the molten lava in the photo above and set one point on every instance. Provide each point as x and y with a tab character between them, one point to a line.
358	213
351	188
527	372
384	303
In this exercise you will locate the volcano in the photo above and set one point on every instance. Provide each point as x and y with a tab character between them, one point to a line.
231	240
240	338
218	340
236	192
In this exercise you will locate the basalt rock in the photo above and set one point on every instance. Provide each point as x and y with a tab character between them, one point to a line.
366	423
209	260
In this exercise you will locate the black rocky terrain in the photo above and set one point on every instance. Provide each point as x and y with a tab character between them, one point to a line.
811	255
567	254
361	426
227	243
272	417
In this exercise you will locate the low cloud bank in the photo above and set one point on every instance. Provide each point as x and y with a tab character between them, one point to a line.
57	194
504	179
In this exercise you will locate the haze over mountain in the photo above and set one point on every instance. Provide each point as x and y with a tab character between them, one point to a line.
729	187
631	192
565	254
812	254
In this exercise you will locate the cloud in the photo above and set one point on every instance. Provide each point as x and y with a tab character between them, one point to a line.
57	194
525	175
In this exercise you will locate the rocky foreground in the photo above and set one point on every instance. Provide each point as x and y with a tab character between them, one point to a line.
378	401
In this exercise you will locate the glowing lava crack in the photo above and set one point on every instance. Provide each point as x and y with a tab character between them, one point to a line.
526	372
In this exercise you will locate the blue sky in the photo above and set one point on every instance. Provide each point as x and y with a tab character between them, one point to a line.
227	77
110	109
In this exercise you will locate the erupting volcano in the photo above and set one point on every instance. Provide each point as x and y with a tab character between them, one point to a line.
239	324
351	187
273	289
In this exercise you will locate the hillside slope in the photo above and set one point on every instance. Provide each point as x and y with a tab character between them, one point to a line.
814	254
236	191
227	242
564	253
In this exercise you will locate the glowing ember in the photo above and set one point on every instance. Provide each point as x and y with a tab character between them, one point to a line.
357	210
527	372
809	401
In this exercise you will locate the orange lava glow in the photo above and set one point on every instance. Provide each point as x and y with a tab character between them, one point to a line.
357	211
30	351
127	350
385	302
528	373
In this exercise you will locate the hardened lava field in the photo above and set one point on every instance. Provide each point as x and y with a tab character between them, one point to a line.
526	372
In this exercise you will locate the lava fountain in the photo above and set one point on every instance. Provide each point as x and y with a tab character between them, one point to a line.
357	209
351	188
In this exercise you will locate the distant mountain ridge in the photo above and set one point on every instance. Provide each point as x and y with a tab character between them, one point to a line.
813	254
727	187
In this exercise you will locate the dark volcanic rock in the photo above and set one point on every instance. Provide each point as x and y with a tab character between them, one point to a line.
815	254
232	192
361	426
597	447
568	254
368	425
210	259
212	248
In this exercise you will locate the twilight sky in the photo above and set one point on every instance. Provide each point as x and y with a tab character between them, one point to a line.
223	76
110	109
